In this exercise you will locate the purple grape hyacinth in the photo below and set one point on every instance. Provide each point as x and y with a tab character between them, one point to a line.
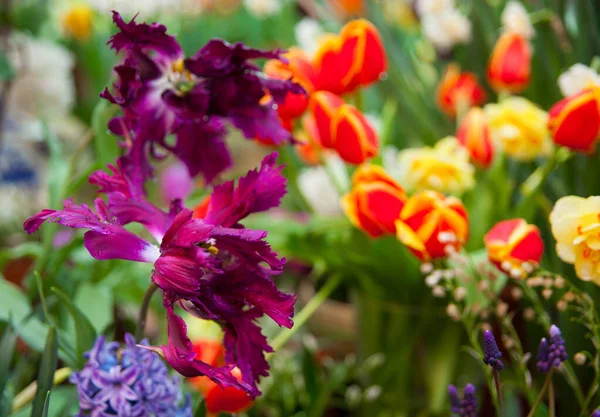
596	413
551	354
467	407
127	382
491	353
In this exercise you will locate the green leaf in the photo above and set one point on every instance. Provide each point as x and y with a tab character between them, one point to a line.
6	70
7	347
84	330
105	144
97	301
200	410
45	377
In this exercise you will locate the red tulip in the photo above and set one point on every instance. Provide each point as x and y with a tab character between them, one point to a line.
431	224
509	68
512	243
374	202
575	121
474	134
323	106
356	57
353	136
459	90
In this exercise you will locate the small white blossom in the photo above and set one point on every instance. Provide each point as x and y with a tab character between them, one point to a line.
438	291
447	29
576	78
426	267
515	19
308	32
263	8
319	191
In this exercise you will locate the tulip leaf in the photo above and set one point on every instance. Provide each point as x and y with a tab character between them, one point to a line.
106	145
84	330
7	347
45	377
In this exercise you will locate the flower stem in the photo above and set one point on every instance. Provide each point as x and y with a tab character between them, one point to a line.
498	388
541	395
28	393
141	323
551	405
307	311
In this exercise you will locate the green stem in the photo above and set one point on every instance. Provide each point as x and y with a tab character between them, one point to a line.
551	403
498	389
28	393
309	309
541	15
541	395
141	324
537	179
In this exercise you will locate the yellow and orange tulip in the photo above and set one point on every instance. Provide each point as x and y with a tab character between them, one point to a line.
574	122
431	225
513	243
474	134
509	69
374	202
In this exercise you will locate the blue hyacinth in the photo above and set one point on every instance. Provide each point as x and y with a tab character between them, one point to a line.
551	354
127	382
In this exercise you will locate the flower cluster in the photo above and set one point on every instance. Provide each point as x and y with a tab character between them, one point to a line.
205	262
342	63
551	354
467	407
491	353
128	381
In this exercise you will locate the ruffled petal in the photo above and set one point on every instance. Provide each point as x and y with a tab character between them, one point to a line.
258	191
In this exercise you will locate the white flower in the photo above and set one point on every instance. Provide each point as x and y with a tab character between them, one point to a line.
515	19
308	32
446	29
263	8
576	78
429	7
319	191
43	87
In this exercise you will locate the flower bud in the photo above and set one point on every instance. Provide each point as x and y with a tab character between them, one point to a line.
77	22
509	68
474	134
514	244
424	217
574	121
374	202
459	91
356	57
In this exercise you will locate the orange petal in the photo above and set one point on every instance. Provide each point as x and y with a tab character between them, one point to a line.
474	134
509	68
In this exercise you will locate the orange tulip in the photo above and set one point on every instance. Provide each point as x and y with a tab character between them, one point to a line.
459	90
217	399
322	106
353	136
513	243
474	134
431	225
201	209
353	58
299	69
574	122
509	68
374	202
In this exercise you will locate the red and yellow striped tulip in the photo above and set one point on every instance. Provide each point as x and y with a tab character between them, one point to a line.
323	106
353	137
474	134
509	69
574	122
356	57
459	90
432	225
374	202
511	244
